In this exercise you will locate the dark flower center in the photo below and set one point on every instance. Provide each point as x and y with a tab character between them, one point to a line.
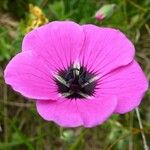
76	82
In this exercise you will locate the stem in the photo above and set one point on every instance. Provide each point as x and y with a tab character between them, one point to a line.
5	114
138	6
141	127
131	127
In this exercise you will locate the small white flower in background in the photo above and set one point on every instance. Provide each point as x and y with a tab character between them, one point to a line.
105	11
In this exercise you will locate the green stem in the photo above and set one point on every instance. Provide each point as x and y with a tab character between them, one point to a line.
141	127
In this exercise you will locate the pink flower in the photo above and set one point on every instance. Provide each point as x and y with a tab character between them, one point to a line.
79	75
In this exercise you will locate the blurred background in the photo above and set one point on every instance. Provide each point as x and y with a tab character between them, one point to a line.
21	128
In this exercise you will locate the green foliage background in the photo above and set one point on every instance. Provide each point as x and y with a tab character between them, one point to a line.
21	128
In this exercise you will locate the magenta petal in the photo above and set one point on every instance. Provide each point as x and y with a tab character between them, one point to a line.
128	83
62	112
59	42
105	49
28	74
73	113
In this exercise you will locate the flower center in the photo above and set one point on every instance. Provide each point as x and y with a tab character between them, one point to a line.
76	82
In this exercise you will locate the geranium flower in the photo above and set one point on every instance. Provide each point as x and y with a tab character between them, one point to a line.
79	75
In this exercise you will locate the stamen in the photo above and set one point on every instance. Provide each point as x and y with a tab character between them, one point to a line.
66	94
90	81
76	68
84	95
76	82
61	80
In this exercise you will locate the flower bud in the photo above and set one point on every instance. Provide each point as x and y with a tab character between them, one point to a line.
105	11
